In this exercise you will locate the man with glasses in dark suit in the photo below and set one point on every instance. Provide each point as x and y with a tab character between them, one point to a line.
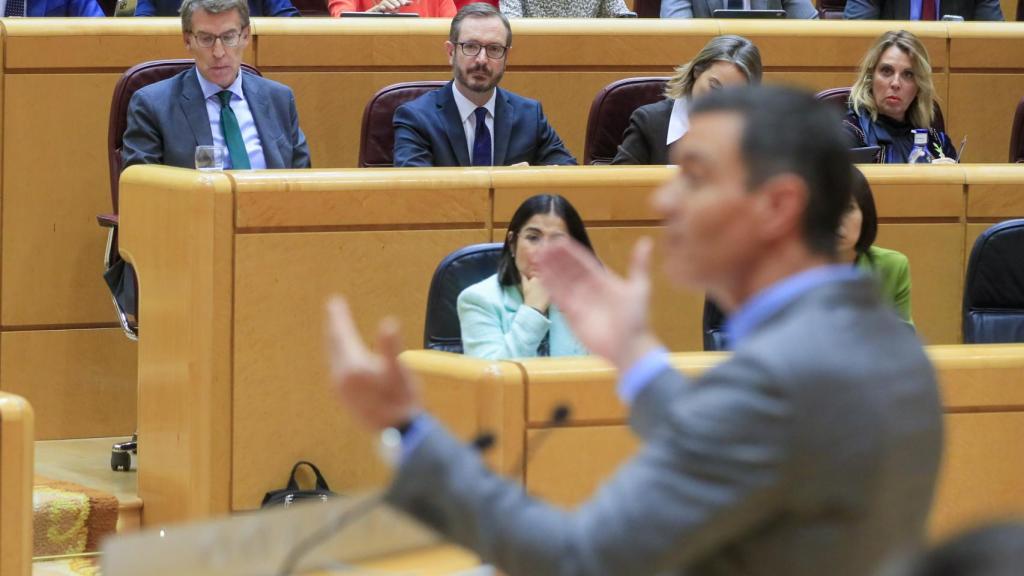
215	102
472	122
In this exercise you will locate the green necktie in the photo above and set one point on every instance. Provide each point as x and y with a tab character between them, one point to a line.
232	133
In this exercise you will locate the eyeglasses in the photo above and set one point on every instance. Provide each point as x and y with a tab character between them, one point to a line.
493	51
229	39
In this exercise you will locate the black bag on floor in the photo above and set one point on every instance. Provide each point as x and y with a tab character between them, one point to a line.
291	493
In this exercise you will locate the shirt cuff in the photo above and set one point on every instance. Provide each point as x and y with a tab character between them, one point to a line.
640	374
418	429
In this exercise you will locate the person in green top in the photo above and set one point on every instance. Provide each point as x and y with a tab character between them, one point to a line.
857	233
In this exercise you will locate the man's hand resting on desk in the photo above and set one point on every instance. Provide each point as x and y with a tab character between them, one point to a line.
376	387
606	312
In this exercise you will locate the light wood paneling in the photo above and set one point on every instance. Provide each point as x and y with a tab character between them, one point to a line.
988	45
973	231
996	192
81	382
177	231
980	377
981	105
936	271
63	43
828	43
52	247
280	397
676	313
599	193
16	462
473	396
568	464
331	105
981	471
567	103
392	198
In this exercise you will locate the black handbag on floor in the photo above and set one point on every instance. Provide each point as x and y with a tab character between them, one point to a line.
291	493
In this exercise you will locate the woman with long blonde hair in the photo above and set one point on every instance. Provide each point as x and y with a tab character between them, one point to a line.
893	96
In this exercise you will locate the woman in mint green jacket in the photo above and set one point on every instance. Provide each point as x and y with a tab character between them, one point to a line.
509	315
857	233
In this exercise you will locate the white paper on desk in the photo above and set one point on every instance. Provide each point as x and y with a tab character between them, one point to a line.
256	543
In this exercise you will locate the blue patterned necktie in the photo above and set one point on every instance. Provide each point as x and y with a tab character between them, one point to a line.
15	8
482	140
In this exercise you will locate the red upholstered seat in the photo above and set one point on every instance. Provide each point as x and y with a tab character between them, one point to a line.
647	8
610	112
377	141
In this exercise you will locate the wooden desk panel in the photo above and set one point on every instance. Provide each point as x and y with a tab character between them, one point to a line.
936	271
996	193
986	45
331	105
280	376
92	43
82	382
16	471
981	471
568	464
52	246
832	43
981	105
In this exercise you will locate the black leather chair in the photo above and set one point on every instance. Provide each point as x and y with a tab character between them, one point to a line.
377	141
840	97
713	327
993	308
459	270
610	112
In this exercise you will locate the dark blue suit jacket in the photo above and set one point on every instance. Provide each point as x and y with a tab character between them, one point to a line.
256	8
58	8
428	132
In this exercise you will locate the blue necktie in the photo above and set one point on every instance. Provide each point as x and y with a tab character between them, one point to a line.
482	140
15	8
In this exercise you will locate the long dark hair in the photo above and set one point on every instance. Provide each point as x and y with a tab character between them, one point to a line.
861	192
508	274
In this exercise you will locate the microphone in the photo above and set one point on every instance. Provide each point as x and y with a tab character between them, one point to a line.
481	443
559	416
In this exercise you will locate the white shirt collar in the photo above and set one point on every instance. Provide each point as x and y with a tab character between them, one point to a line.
209	88
679	121
466	108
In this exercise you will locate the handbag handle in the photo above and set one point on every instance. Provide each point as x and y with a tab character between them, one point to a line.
321	484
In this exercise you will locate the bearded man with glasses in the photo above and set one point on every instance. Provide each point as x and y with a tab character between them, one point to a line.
215	102
472	122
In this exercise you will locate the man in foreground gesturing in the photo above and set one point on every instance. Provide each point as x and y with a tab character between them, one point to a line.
812	450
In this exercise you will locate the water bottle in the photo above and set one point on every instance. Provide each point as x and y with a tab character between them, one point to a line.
919	153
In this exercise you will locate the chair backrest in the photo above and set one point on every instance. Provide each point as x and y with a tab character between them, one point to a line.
311	7
459	270
131	81
840	97
610	112
647	8
831	9
993	309
16	472
713	327
1017	132
377	141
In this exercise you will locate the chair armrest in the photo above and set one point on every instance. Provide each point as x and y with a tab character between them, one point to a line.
107	220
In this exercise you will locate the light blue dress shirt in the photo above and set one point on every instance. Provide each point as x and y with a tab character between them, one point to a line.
240	106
